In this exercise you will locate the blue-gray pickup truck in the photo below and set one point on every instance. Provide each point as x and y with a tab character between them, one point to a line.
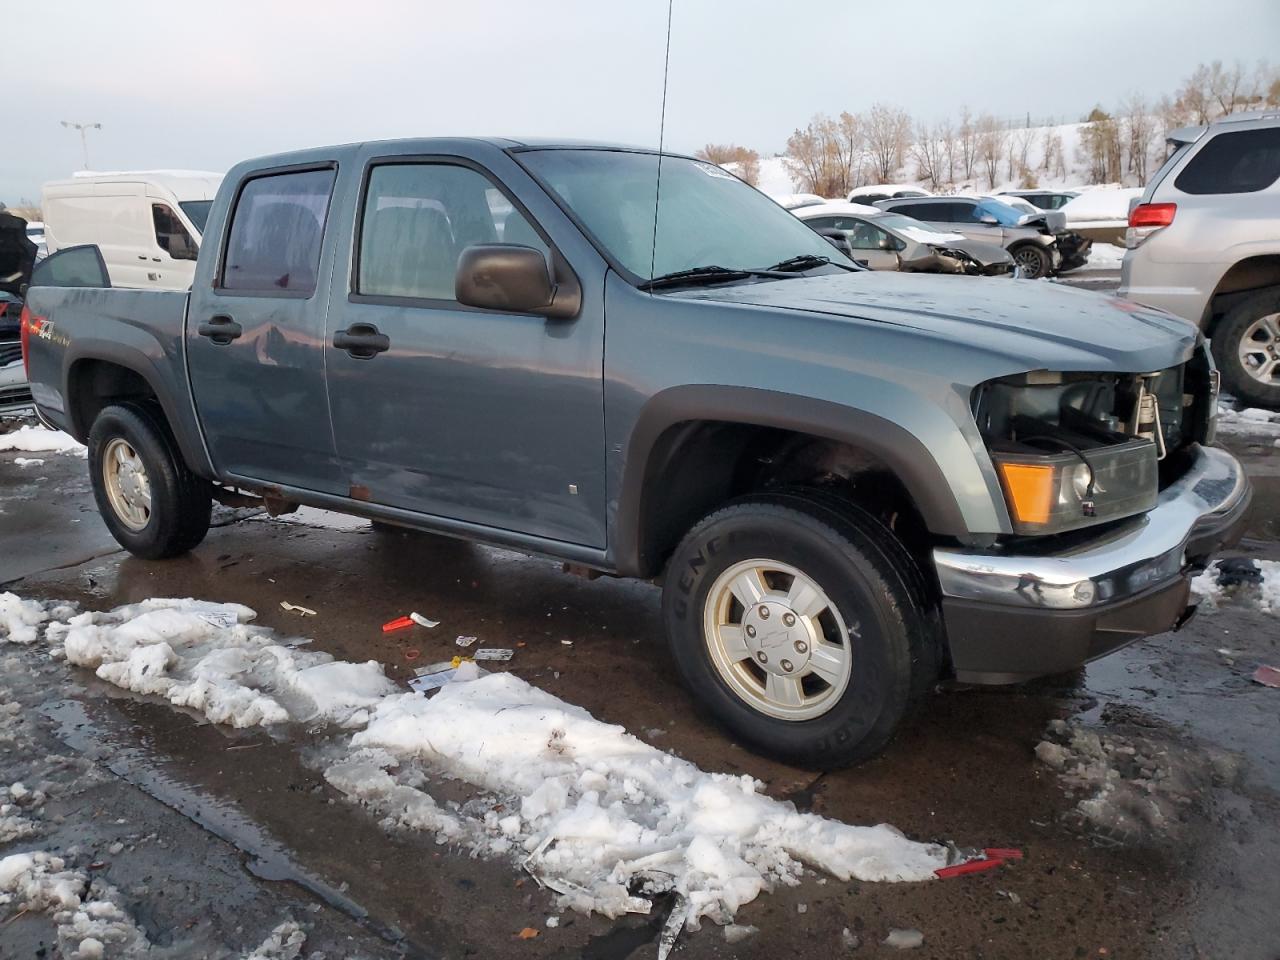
849	484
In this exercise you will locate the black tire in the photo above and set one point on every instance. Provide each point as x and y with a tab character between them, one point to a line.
1033	259
1226	341
867	575
181	502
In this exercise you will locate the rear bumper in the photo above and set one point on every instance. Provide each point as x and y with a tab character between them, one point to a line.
1012	617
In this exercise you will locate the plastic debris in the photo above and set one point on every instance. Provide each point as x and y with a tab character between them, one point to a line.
802	908
987	859
422	621
399	623
412	654
737	932
672	928
223	621
904	939
528	933
1267	676
553	922
436	675
566	643
849	940
295	608
494	653
1234	571
465	641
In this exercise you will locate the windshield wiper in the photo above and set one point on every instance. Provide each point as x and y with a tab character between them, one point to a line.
807	261
709	274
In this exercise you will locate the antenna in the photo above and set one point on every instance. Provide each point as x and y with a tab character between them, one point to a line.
662	132
84	129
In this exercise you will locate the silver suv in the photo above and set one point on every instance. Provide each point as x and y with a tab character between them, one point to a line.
1204	243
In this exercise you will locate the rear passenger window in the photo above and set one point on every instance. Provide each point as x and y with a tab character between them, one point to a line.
417	220
276	228
1242	162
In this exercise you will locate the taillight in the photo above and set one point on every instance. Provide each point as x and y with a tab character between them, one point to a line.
1147	219
26	325
1152	214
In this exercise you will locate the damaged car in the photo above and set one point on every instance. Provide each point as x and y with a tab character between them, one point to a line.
892	241
17	258
1039	241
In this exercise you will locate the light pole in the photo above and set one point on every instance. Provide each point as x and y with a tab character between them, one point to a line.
84	129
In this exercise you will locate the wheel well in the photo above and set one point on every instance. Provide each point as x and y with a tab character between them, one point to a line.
95	384
1246	277
697	465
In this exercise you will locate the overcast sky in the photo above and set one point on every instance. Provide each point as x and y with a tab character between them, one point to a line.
201	84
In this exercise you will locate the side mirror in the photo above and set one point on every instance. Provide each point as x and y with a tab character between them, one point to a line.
514	278
988	219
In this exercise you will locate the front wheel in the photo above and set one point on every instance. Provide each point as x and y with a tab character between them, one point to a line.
803	627
1034	261
152	504
1246	348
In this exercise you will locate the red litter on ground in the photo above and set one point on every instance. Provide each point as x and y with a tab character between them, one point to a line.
991	858
399	623
1267	676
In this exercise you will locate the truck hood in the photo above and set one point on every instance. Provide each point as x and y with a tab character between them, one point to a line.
1036	324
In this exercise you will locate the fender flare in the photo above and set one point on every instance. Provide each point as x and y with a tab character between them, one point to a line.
180	419
899	449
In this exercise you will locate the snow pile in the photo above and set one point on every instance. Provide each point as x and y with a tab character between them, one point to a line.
284	943
1250	420
1105	256
19	619
1104	206
207	657
1135	784
1254	581
607	820
91	922
39	440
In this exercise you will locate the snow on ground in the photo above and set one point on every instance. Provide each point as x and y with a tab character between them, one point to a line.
40	440
91	921
1249	420
1104	256
1256	582
595	814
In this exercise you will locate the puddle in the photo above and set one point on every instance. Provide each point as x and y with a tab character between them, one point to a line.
266	859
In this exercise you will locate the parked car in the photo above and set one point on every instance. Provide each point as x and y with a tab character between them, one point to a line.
17	258
1204	243
793	201
850	482
891	241
1043	199
1032	239
146	223
874	192
35	233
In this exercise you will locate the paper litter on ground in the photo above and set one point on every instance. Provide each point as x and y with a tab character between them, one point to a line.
601	818
39	440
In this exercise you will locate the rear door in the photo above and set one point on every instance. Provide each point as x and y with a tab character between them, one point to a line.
481	416
255	337
964	215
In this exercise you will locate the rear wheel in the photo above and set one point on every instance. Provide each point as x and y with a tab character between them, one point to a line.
804	628
1246	347
1032	260
152	504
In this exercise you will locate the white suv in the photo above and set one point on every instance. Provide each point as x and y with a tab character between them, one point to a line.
1204	243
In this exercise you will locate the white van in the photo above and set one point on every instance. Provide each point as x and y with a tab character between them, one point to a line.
147	223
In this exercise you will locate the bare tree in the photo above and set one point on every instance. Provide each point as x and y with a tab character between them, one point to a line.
1100	146
1018	144
967	140
929	154
745	161
888	133
1227	87
947	137
990	146
1139	128
826	156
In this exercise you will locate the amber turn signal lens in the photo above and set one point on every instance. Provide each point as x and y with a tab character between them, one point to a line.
1028	488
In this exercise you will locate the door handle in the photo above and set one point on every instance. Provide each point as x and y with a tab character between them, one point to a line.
220	329
362	341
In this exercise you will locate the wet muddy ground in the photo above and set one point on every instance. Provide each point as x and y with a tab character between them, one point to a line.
227	833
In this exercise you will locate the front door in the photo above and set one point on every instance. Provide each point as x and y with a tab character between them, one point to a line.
482	416
255	339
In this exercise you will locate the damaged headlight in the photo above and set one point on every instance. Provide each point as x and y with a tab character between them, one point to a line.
1072	450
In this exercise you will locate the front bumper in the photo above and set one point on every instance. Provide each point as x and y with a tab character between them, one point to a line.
1011	617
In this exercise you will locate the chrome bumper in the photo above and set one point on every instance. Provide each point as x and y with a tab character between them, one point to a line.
1192	517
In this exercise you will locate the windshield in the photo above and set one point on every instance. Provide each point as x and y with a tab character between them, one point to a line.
706	216
1005	215
197	211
